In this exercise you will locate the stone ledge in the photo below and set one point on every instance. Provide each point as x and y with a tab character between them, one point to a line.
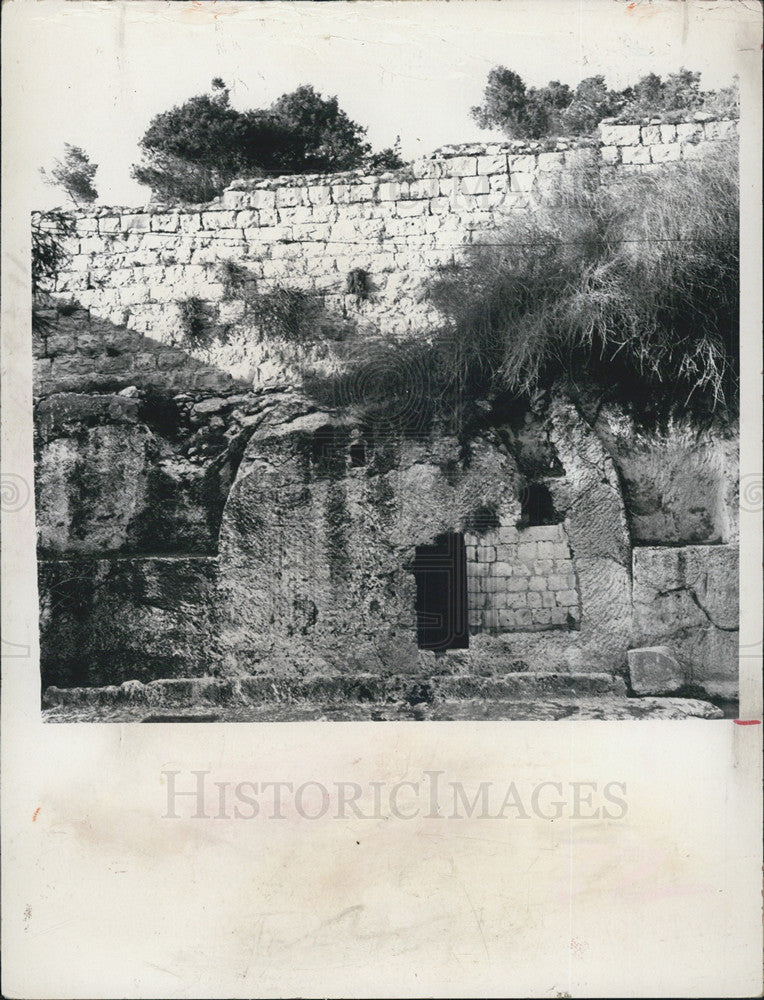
546	709
195	692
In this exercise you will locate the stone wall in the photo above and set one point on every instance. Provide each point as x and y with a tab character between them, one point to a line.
522	578
137	268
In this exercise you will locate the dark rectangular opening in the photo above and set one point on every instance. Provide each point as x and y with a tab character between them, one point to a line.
440	570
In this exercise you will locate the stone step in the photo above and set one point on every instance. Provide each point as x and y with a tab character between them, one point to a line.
607	707
342	688
367	697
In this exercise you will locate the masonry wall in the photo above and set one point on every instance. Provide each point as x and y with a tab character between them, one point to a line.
136	268
521	578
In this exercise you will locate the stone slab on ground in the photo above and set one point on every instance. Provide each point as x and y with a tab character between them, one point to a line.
655	670
479	710
367	697
194	693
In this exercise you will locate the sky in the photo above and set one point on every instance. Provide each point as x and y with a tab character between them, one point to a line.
94	74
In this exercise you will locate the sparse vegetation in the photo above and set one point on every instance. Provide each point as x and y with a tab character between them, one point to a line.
358	284
74	174
49	254
198	323
235	279
286	312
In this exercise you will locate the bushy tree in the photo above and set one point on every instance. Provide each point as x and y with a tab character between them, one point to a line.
558	110
192	151
74	174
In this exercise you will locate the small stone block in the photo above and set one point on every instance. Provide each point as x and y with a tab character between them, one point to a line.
654	670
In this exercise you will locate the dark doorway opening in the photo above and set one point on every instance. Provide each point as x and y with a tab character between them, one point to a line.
537	506
440	570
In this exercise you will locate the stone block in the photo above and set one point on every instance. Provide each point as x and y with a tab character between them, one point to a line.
650	134
288	197
407	209
474	185
518	599
523	617
635	154
496	164
523	164
689	132
666	153
486	553
516	584
527	552
521	182
559	616
542	616
320	194
720	129
507	553
391	191
165	222
537	583
545	550
566	598
619	135
543	567
460	166
534	599
477	569
655	670
506	619
668	133
503	569
136	222
611	154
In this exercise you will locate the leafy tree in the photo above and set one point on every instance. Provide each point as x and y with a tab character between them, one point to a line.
192	151
74	174
505	103
557	110
591	103
323	137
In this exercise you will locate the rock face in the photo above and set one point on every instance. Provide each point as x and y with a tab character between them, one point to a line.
323	529
687	598
318	535
105	621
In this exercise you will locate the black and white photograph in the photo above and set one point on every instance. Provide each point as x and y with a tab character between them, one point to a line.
338	422
381	499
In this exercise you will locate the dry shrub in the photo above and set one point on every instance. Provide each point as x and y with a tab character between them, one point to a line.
633	288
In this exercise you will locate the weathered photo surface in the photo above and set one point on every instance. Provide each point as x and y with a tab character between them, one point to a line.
381	394
324	431
328	431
